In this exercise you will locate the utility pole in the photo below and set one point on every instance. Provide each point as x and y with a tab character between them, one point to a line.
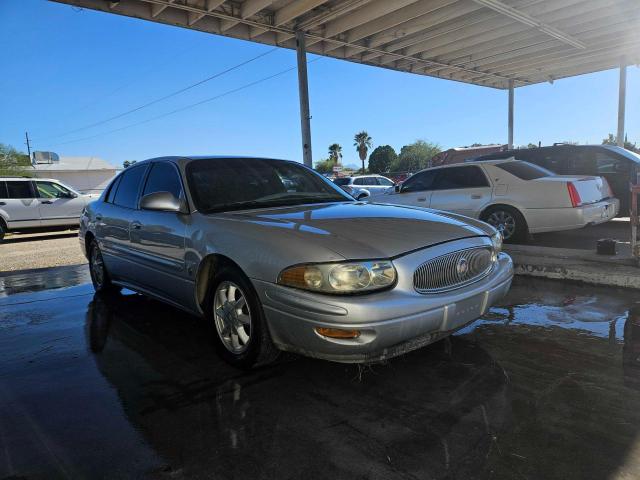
26	135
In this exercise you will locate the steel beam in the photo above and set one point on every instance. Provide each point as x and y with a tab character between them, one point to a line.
510	142
622	94
303	90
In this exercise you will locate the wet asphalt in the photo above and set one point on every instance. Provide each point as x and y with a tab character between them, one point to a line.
545	386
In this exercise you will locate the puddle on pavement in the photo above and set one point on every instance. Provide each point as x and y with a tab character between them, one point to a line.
546	385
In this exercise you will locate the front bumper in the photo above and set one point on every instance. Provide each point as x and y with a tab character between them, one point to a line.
391	322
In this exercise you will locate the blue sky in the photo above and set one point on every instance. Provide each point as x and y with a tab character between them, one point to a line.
65	68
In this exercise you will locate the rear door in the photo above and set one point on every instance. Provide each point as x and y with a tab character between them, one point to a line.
20	207
464	190
158	238
415	190
113	220
57	204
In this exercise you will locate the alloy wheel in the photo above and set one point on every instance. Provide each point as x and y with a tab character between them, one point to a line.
232	317
504	222
97	266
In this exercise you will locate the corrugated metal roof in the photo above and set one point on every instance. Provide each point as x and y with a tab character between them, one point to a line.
483	42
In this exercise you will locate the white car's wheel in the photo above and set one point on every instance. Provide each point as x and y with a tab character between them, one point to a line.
507	220
241	334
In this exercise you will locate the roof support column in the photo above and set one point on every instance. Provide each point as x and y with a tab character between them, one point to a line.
303	91
622	94
510	142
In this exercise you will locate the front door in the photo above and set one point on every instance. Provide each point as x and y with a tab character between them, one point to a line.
158	239
57	204
415	191
18	204
463	190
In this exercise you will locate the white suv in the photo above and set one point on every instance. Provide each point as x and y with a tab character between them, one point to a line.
364	186
28	204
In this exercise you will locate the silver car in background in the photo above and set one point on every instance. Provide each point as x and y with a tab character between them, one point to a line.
276	257
364	186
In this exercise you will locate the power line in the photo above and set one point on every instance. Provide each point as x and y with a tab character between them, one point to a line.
186	107
165	97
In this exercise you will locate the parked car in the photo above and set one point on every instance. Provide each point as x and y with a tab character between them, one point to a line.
364	186
515	197
618	165
296	266
37	204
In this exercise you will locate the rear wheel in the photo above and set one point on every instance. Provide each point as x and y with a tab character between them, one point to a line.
241	335
99	275
507	220
2	231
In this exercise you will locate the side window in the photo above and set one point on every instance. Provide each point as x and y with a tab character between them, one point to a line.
19	190
371	181
384	182
127	193
359	181
608	163
163	177
461	177
51	190
3	190
419	182
112	191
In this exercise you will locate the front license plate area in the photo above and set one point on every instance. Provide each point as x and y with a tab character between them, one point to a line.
464	312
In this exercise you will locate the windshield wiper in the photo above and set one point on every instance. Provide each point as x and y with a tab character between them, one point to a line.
246	205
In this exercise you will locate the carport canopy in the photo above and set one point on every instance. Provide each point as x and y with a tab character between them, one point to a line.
495	43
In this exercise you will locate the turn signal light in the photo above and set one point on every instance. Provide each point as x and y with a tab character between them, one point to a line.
337	332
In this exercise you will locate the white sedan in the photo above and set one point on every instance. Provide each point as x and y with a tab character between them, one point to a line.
515	197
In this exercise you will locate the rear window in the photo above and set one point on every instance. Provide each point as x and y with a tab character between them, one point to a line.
19	189
524	170
342	181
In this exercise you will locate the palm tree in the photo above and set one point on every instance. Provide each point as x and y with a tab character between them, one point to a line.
363	142
335	153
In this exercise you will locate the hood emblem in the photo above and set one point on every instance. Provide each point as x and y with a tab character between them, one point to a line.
462	267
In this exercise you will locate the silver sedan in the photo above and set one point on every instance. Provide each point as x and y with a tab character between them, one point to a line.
275	257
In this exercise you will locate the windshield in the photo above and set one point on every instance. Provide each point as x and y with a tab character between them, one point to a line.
524	170
219	185
342	181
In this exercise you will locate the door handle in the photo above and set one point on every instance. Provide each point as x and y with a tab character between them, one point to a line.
46	202
422	199
3	203
136	225
476	197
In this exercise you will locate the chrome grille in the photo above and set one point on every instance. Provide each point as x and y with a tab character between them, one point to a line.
453	270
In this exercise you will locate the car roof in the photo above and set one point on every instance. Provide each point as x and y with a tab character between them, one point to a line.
495	161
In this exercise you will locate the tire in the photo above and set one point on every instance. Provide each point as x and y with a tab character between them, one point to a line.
2	231
361	197
233	309
509	221
98	270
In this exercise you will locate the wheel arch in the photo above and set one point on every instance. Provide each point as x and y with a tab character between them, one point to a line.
491	206
206	272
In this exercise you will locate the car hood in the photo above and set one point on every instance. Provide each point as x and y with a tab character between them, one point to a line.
357	230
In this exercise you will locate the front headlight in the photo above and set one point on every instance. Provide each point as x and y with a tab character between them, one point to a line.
351	277
496	241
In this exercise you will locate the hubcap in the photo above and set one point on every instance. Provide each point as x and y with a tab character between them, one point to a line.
232	317
97	266
503	222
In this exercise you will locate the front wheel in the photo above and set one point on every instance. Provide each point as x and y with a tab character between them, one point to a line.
241	335
99	275
507	220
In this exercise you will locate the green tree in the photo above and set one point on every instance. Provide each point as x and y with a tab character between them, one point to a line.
325	166
382	158
415	156
335	152
13	162
611	140
363	142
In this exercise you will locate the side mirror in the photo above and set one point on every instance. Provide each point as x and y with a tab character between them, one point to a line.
162	202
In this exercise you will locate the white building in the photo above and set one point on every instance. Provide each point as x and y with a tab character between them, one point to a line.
84	174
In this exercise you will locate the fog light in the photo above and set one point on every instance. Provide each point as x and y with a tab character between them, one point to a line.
337	332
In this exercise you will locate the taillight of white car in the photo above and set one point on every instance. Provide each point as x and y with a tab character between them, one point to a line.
574	196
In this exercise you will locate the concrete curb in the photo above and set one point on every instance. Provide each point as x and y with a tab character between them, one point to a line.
576	265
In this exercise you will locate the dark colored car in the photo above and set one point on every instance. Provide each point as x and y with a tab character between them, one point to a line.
618	165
